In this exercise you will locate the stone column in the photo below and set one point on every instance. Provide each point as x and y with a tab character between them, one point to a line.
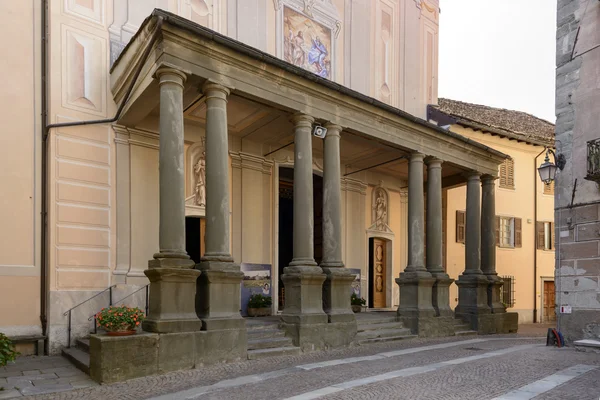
303	279
416	282
218	292
472	284
172	279
336	289
488	243
441	293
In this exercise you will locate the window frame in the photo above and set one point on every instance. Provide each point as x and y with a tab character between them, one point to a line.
506	174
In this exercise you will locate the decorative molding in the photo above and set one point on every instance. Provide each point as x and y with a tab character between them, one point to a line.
354	185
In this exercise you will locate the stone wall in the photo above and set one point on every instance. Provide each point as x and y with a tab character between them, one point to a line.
577	199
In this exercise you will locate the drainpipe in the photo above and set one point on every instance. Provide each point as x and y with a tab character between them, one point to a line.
46	133
535	194
44	233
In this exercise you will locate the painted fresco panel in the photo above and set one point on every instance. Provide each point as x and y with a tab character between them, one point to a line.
307	43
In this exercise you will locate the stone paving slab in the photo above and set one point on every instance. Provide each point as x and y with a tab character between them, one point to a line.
41	375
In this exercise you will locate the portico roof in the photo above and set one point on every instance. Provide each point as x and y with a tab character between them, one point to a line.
258	77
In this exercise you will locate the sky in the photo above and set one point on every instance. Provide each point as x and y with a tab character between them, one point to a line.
499	53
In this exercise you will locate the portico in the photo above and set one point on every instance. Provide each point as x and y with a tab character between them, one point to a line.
245	106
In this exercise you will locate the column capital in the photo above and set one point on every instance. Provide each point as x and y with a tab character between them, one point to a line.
170	75
472	175
488	179
417	157
333	129
212	89
302	120
432	161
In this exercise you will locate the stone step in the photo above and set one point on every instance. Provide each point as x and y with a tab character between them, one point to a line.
373	321
265	333
387	325
465	333
274	352
256	326
258	344
462	327
83	344
386	339
382	333
78	357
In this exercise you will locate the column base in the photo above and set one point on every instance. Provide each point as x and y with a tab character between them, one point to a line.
303	295
426	326
171	308
488	324
321	336
472	298
441	295
415	294
218	295
336	294
494	288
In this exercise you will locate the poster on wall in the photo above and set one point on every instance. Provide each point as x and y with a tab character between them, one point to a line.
257	279
307	43
355	287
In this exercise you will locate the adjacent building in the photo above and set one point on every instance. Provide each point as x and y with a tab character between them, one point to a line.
525	244
578	153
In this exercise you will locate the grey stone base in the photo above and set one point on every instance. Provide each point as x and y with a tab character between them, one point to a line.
472	298
415	295
429	326
336	301
116	359
487	324
303	295
580	324
218	293
323	336
440	295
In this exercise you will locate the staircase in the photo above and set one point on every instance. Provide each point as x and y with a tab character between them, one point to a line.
461	328
79	355
381	329
268	340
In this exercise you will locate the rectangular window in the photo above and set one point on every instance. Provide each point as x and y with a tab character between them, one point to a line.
508	232
549	188
460	226
508	291
507	174
545	236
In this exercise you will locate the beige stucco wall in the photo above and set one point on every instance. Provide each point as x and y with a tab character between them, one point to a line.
20	169
517	262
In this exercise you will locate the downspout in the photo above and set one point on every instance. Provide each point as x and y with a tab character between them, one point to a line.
44	183
46	133
535	194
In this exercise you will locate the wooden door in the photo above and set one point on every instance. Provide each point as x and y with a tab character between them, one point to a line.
549	310
378	284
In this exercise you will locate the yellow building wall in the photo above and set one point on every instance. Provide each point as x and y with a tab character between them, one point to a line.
519	203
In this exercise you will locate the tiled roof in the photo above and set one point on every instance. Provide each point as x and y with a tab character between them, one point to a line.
508	123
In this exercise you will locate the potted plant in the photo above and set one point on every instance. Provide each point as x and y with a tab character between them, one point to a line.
120	321
7	350
259	305
357	303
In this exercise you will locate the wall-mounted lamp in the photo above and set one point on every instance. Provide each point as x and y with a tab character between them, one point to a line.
547	170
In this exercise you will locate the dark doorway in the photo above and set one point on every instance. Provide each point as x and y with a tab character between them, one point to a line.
286	223
193	234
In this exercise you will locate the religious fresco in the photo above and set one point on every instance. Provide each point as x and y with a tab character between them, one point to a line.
307	43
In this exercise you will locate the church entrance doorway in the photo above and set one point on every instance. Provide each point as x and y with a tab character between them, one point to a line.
286	223
195	229
377	273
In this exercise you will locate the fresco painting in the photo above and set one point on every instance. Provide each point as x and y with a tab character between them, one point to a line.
307	43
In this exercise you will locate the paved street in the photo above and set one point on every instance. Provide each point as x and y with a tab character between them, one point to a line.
476	367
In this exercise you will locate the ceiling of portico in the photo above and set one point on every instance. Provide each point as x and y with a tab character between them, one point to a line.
271	127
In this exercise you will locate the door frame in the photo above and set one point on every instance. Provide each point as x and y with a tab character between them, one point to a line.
388	238
542	280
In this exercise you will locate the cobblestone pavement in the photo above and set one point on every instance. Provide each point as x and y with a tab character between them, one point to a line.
39	375
477	367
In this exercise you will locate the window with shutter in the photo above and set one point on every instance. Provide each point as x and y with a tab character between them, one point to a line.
507	174
549	188
540	236
518	235
505	232
497	223
460	226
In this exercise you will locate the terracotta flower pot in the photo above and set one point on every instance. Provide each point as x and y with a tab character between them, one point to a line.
356	308
259	312
121	333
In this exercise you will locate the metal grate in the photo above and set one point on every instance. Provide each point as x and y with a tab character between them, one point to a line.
507	295
593	160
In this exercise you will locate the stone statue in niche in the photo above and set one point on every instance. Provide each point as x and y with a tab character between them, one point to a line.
200	176
381	210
